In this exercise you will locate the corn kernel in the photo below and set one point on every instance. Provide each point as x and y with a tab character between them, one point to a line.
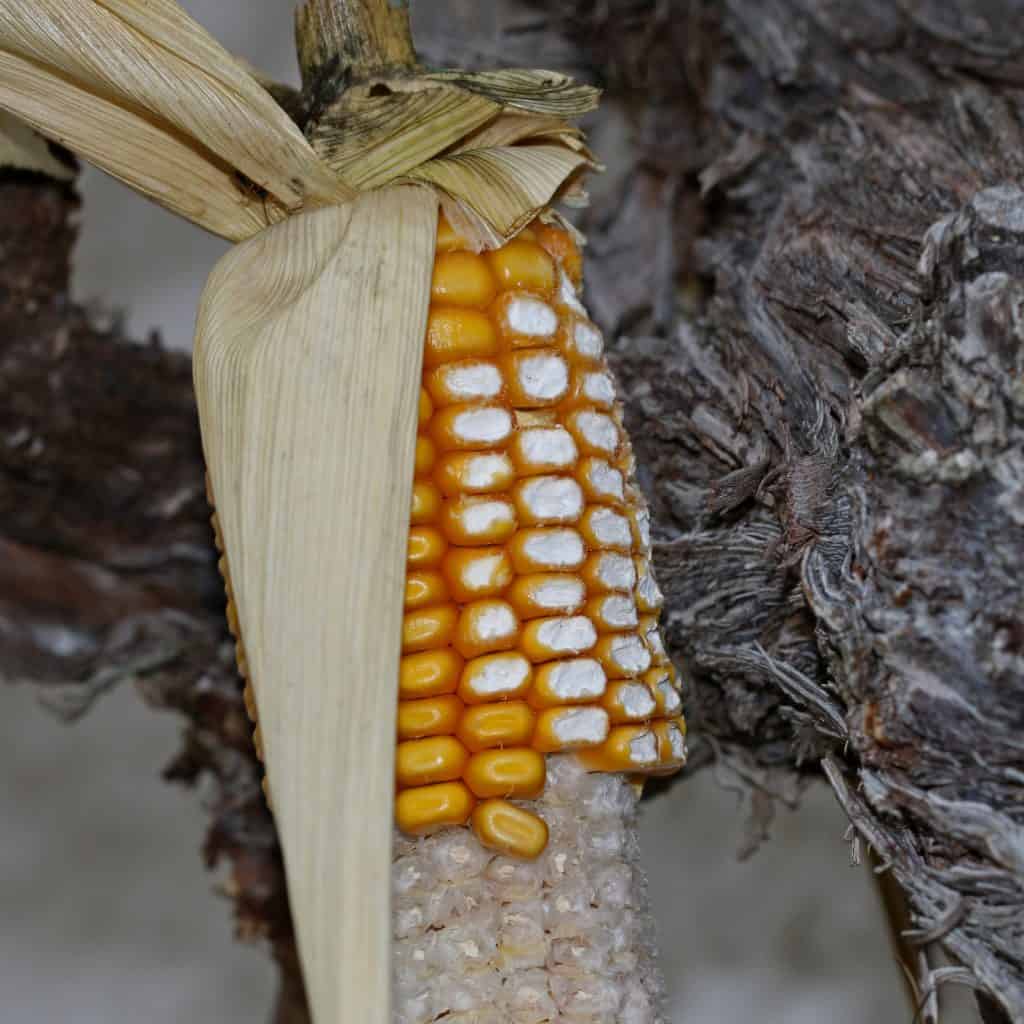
628	748
429	674
596	433
495	677
601	482
670	704
448	239
435	759
478	519
462	279
589	388
535	378
426	454
544	639
423	589
524	264
560	246
570	728
640	519
425	808
549	549
605	529
648	629
524	321
629	700
510	830
548	500
543	450
475	473
612	613
648	595
503	724
426	548
607	572
454	334
484	627
470	381
671	742
581	342
432	716
473	573
426	503
543	594
516	772
471	428
622	655
428	628
426	409
572	681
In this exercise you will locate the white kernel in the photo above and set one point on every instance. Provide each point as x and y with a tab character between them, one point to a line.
643	749
616	572
531	317
495	622
482	426
647	591
581	725
469	381
598	430
619	611
670	700
605	480
599	388
543	377
578	679
636	700
480	572
642	518
587	339
610	528
567	293
559	549
571	635
630	655
563	594
652	637
501	675
553	498
677	742
551	446
480	517
484	471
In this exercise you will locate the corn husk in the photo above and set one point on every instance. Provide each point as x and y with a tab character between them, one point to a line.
307	366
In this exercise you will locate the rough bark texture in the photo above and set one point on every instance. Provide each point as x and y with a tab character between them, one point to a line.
823	364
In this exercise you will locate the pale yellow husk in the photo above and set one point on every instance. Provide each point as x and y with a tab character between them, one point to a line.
307	363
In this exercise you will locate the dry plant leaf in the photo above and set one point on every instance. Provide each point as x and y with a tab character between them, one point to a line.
534	91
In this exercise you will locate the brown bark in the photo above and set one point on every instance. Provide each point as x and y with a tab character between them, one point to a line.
822	365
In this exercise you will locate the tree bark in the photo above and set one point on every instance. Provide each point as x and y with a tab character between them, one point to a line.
822	364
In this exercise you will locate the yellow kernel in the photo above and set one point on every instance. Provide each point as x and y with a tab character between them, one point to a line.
606	572
454	333
612	613
570	681
426	548
425	808
570	728
623	655
510	830
516	772
428	628
557	637
484	627
628	748
523	264
475	473
426	454
546	593
473	380
667	671
472	573
524	321
559	244
666	696
535	378
432	716
435	759
478	519
495	677
671	737
471	427
503	724
429	674
546	549
462	279
426	503
423	589
426	409
628	700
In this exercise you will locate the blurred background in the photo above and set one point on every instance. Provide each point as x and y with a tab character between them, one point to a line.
106	911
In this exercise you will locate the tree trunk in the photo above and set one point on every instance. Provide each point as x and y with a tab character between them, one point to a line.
822	355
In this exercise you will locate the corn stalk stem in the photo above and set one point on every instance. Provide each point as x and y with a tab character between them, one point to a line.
352	39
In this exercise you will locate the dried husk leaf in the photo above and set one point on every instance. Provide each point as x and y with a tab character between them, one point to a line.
370	140
24	150
534	91
307	368
149	58
157	164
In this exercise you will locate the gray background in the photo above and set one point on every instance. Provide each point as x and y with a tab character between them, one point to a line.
106	912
